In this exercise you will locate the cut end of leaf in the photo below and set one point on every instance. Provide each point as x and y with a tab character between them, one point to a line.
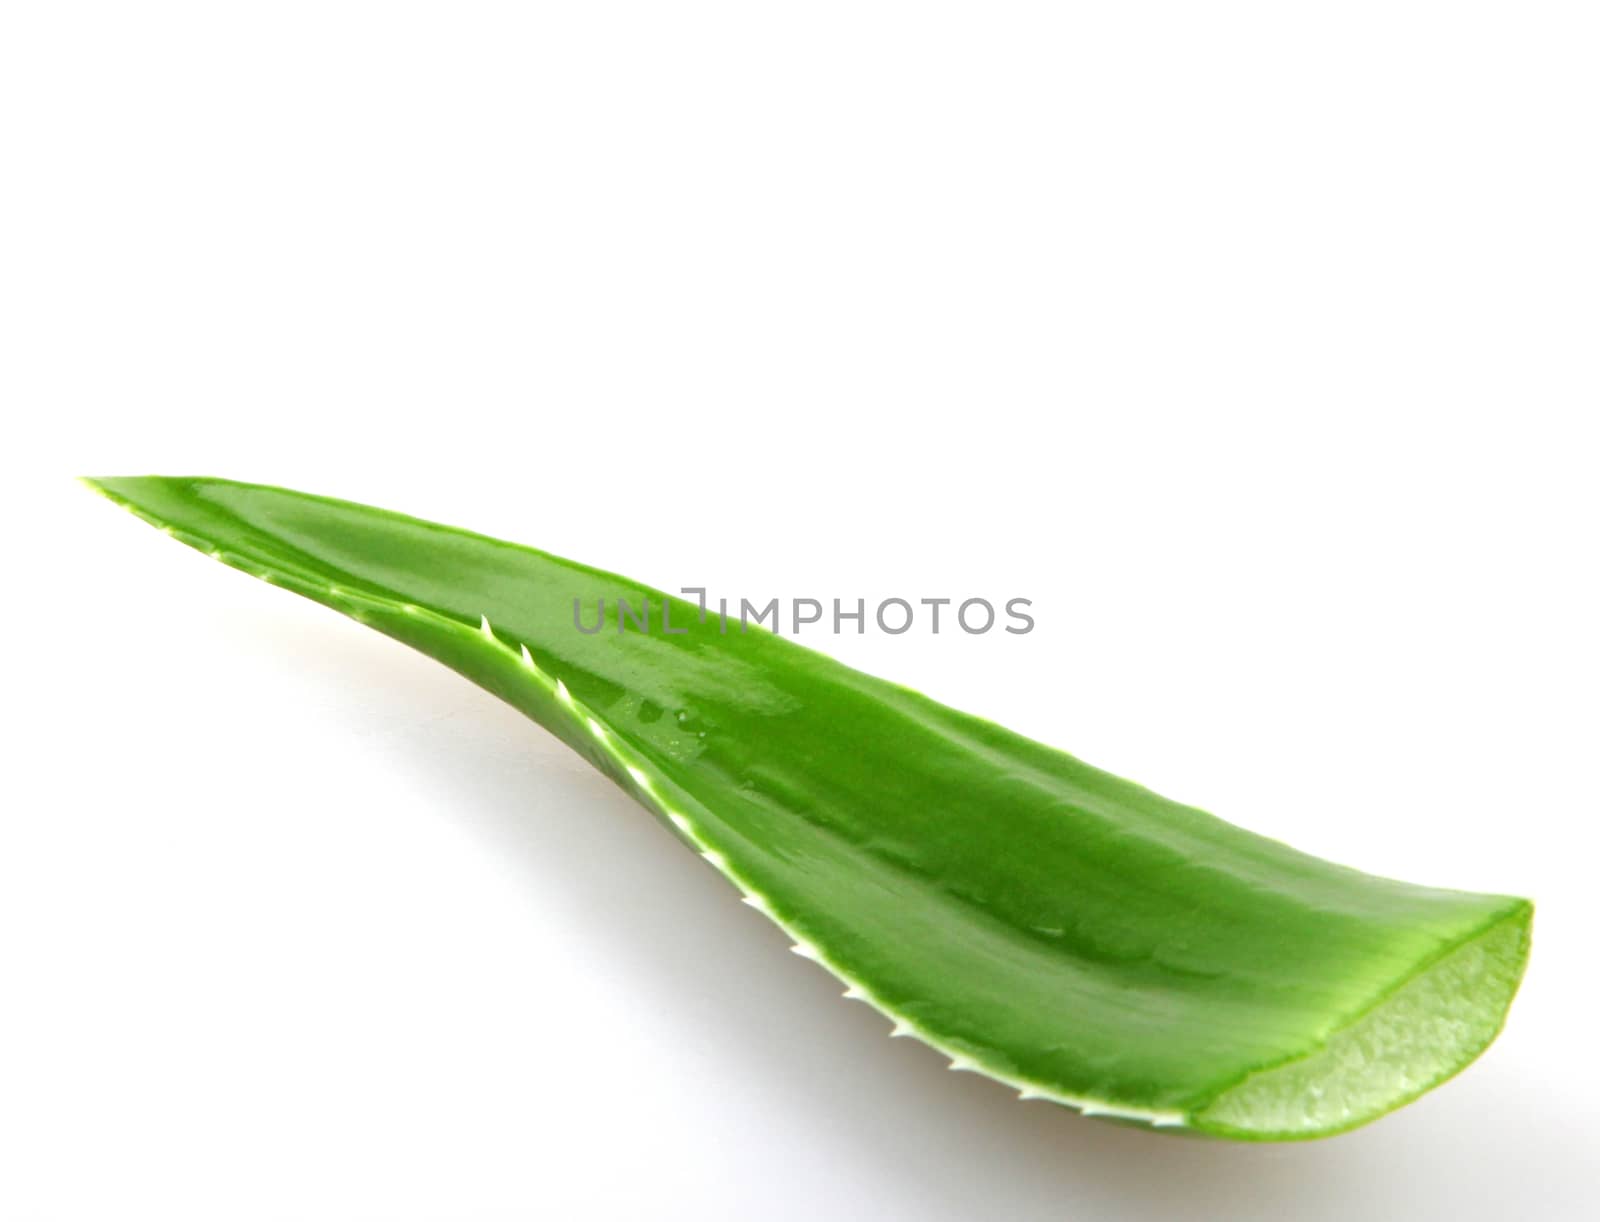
1423	1032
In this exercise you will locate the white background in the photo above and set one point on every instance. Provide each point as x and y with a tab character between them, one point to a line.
1256	343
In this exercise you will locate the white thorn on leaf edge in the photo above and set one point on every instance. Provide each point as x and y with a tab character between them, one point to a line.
805	952
900	1030
483	627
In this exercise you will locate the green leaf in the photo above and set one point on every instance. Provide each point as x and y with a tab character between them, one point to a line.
1031	917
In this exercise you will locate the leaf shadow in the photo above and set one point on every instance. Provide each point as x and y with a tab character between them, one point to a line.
925	1143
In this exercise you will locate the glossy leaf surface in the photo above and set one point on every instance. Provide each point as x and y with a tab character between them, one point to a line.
1038	920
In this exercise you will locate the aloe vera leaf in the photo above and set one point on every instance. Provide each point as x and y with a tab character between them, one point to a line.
1035	919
